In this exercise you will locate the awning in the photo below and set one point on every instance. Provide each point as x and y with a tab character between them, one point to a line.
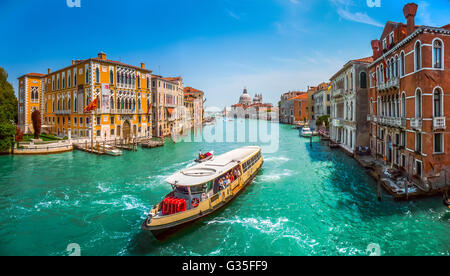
170	110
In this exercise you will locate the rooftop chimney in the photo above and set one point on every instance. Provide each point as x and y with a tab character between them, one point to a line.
48	70
410	11
102	56
375	48
73	62
142	65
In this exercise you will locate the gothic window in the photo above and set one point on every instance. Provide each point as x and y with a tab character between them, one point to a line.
437	54
418	55
363	80
97	75
437	102
418	103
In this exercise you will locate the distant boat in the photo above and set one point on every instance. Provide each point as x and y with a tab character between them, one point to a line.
306	132
205	157
110	150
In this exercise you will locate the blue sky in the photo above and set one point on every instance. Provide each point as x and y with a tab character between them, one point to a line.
219	46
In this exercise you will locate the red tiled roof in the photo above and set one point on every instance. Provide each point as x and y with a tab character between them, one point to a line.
32	75
365	60
300	97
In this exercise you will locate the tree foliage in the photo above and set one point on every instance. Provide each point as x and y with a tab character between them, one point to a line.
323	119
8	112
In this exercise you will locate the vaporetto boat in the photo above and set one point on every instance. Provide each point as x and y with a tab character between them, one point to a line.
201	190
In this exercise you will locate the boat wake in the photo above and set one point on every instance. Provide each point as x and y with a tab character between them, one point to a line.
275	176
262	225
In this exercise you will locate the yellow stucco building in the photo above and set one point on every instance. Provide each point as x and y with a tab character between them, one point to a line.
124	94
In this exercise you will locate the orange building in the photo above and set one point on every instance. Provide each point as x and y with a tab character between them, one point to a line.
409	99
31	89
300	107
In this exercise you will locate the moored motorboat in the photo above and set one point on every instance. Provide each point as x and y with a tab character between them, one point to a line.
201	190
306	132
110	150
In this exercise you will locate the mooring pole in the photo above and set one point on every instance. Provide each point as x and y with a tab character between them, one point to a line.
379	191
310	141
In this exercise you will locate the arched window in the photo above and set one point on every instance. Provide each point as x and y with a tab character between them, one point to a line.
437	54
396	67
75	104
437	103
363	80
418	55
139	103
97	75
118	77
139	82
87	76
118	104
381	73
111	102
402	64
388	70
74	78
68	104
418	103
111	77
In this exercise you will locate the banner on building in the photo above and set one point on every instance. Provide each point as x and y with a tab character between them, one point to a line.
106	94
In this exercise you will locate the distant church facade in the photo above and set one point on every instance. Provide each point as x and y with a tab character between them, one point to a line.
249	108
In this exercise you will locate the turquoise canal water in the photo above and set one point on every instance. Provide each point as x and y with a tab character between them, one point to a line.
305	201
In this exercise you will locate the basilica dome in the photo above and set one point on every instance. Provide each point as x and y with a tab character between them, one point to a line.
245	98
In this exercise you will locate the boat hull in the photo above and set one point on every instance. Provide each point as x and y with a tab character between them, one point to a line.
164	231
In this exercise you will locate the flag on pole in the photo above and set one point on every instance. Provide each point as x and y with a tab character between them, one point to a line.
92	106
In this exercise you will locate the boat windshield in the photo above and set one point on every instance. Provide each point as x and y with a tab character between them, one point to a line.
199	189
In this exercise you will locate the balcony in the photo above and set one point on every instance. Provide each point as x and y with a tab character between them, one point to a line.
392	83
337	92
62	112
337	122
416	123
439	123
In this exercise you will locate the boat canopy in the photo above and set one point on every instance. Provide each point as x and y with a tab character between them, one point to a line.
210	170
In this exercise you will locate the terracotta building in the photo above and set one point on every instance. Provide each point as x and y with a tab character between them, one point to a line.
286	108
410	99
193	101
300	108
168	105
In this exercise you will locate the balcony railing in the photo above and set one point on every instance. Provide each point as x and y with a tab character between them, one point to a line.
416	123
391	121
337	122
337	92
393	83
439	123
62	112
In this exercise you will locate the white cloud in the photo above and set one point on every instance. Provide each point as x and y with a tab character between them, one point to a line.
358	17
233	15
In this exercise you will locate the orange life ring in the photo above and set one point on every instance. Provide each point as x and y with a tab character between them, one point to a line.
195	202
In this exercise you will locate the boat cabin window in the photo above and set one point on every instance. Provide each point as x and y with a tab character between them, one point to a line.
199	189
181	190
249	163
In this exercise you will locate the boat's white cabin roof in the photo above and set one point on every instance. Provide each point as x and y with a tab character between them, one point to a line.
210	170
